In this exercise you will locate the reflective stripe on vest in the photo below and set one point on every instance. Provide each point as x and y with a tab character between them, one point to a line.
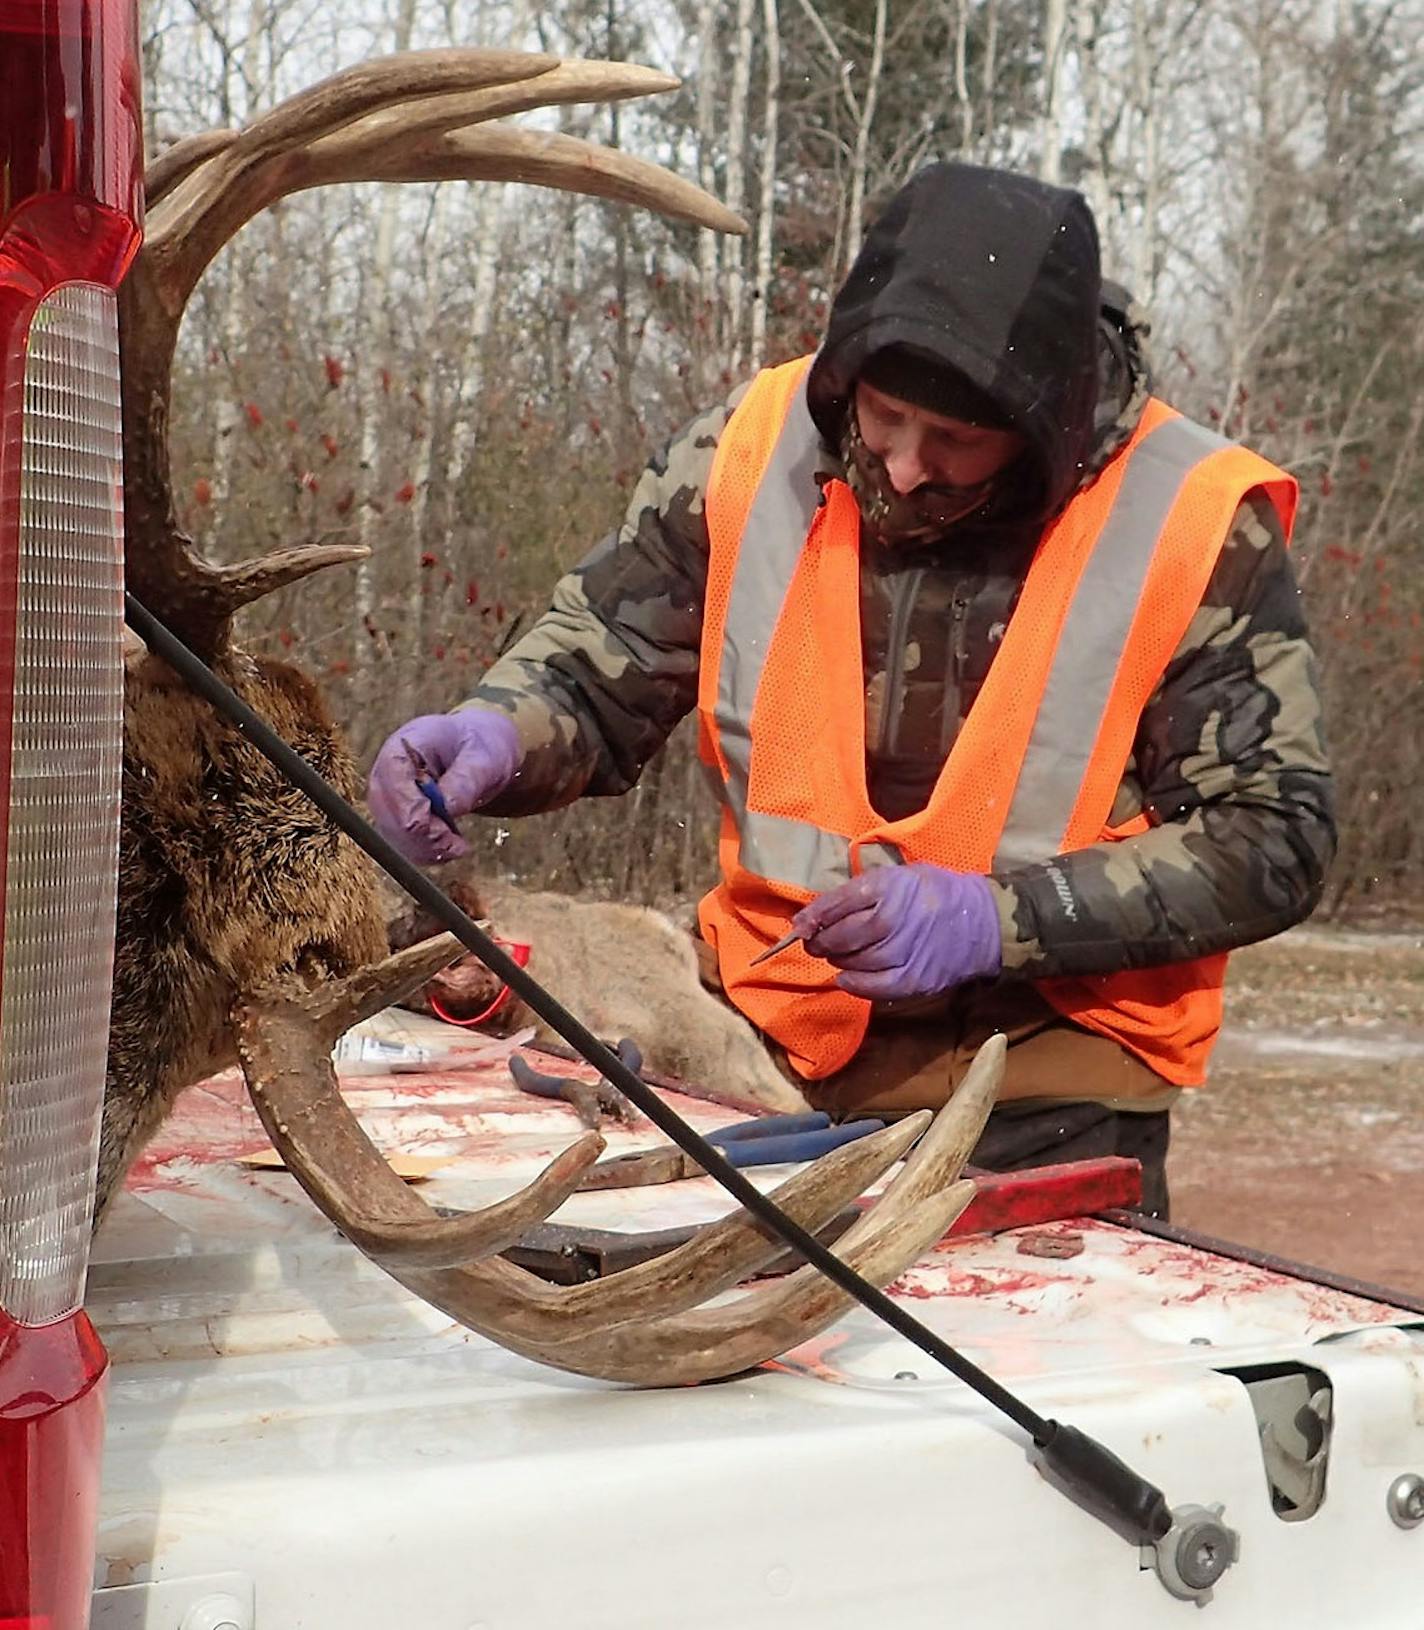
1094	633
772	846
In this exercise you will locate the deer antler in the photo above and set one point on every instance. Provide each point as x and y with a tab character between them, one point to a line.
422	116
403	118
646	1324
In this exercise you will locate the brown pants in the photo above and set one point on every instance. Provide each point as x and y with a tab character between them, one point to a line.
1065	1094
1064	1091
916	1053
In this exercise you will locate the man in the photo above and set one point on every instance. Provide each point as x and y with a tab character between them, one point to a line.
1001	675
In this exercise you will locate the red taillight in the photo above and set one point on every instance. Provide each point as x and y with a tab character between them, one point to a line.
71	149
51	1429
70	216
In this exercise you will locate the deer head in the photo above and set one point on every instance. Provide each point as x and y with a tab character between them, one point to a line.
249	928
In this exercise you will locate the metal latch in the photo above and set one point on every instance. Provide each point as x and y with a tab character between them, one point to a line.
1293	1408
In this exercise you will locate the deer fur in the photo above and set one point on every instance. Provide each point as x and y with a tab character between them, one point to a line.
623	970
228	877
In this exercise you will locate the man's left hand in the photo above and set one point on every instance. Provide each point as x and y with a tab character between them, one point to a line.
902	931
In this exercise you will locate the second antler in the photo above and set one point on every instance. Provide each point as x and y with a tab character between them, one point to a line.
648	1323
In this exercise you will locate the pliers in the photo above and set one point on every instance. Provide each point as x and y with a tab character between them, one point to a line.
590	1103
769	1140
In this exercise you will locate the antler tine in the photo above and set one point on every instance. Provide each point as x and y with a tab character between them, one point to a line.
725	1252
915	1210
603	1329
284	1038
564	83
268	159
181	159
353	124
942	1154
402	77
430	1241
738	1335
566	163
214	594
332	1008
284	1042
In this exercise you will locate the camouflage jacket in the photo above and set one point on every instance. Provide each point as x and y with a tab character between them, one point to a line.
1228	762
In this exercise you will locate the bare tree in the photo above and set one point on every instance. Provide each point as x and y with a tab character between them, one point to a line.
1055	69
367	646
771	34
743	45
709	245
861	153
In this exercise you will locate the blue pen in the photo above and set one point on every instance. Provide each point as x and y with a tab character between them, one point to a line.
426	783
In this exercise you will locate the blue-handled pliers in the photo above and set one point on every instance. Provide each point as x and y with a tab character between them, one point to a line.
770	1140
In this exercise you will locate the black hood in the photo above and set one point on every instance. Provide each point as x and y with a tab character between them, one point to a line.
995	275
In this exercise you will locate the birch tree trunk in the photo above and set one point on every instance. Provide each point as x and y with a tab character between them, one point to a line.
426	386
1055	56
365	650
622	322
424	379
987	81
708	242
771	26
732	251
861	155
1088	22
491	206
233	322
961	78
1147	65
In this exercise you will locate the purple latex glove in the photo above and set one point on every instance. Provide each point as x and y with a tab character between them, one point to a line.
901	931
473	756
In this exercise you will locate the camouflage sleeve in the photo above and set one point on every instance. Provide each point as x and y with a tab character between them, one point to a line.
598	683
1229	768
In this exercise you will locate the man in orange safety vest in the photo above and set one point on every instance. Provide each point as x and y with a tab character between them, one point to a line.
1001	681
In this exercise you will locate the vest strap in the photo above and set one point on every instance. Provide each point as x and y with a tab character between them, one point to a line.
1094	635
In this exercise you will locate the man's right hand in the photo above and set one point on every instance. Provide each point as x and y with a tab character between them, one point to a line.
473	755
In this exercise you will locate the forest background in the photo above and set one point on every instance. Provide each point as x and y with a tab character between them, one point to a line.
470	377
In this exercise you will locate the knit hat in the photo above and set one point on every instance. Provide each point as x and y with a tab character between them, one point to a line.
904	373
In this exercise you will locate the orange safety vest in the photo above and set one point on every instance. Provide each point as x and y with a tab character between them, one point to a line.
1035	769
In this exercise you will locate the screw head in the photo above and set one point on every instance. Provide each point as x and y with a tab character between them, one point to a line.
1405	1501
1204	1552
